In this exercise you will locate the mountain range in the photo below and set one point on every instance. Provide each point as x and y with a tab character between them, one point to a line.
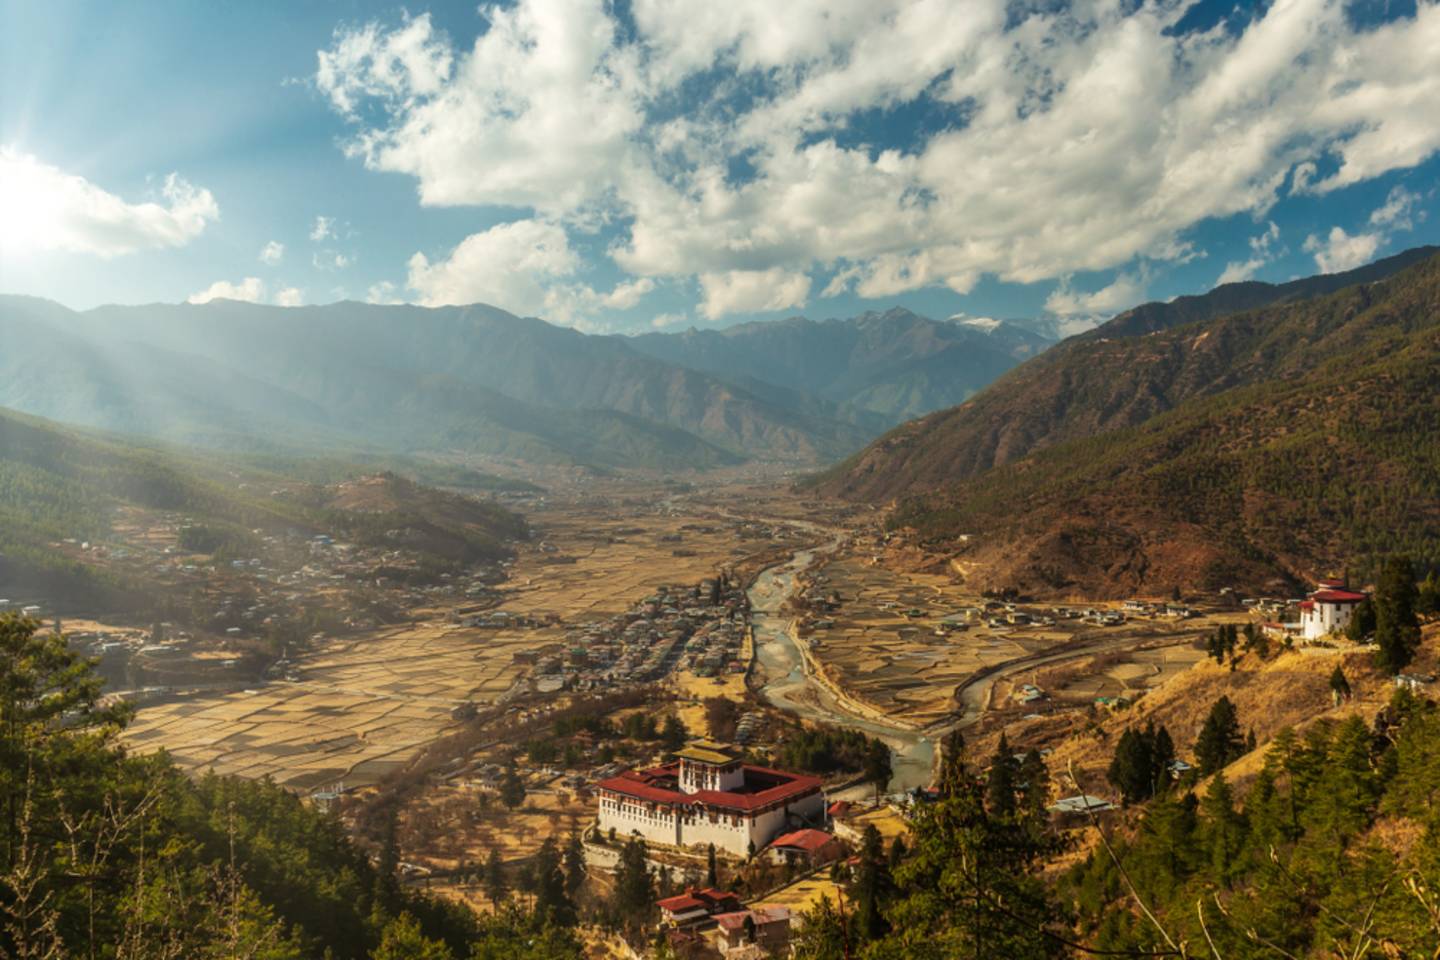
1257	435
361	377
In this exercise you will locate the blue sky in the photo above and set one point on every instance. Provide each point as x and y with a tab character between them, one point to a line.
640	164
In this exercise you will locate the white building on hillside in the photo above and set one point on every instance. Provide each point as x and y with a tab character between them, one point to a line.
709	796
1328	610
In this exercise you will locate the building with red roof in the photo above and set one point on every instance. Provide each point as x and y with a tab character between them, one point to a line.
807	845
696	906
1328	610
709	796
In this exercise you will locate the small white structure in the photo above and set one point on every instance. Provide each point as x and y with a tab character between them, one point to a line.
709	796
1328	610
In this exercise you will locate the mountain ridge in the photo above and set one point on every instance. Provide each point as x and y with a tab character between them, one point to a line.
1298	441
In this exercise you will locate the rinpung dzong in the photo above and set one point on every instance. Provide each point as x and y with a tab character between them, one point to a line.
709	796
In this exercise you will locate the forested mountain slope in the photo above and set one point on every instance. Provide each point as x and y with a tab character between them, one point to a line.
1113	377
1269	446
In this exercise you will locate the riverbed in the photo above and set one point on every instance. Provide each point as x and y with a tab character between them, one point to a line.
789	686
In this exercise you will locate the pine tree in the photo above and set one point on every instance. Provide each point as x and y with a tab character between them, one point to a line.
574	865
512	788
1339	686
1220	740
634	896
496	887
1034	783
1000	785
1428	601
674	735
878	768
1362	622
1224	828
402	940
873	885
1397	629
712	869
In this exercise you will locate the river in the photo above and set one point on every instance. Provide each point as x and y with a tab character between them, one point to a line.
789	686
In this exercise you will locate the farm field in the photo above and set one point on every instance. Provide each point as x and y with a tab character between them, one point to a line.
883	639
360	710
363	707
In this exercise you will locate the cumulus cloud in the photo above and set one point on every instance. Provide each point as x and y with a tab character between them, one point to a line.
43	208
751	291
510	265
1073	137
249	290
323	229
1125	291
1340	251
290	297
1262	252
526	267
1396	212
383	292
272	253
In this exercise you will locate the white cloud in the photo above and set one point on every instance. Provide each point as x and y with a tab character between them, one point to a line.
1341	251
511	265
1397	211
1123	292
249	290
1261	254
1078	138
628	294
290	297
329	260
662	321
751	291
43	208
537	114
323	230
383	292
526	267
272	253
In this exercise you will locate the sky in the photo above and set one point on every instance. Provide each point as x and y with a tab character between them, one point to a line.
634	165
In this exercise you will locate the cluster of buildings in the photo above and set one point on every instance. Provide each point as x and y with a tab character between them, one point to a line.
700	628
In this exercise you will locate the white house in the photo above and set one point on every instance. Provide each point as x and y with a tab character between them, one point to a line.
709	796
1328	610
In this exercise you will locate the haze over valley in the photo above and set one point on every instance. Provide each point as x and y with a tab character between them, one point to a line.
576	480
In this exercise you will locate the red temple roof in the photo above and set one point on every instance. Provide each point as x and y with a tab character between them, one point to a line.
1337	596
659	785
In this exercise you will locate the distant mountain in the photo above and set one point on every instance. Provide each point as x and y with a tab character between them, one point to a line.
1079	388
878	368
1257	447
357	376
60	486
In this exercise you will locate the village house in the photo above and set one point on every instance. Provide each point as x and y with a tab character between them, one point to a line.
808	847
696	906
709	796
761	931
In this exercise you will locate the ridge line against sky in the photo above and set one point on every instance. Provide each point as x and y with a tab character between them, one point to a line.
646	164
